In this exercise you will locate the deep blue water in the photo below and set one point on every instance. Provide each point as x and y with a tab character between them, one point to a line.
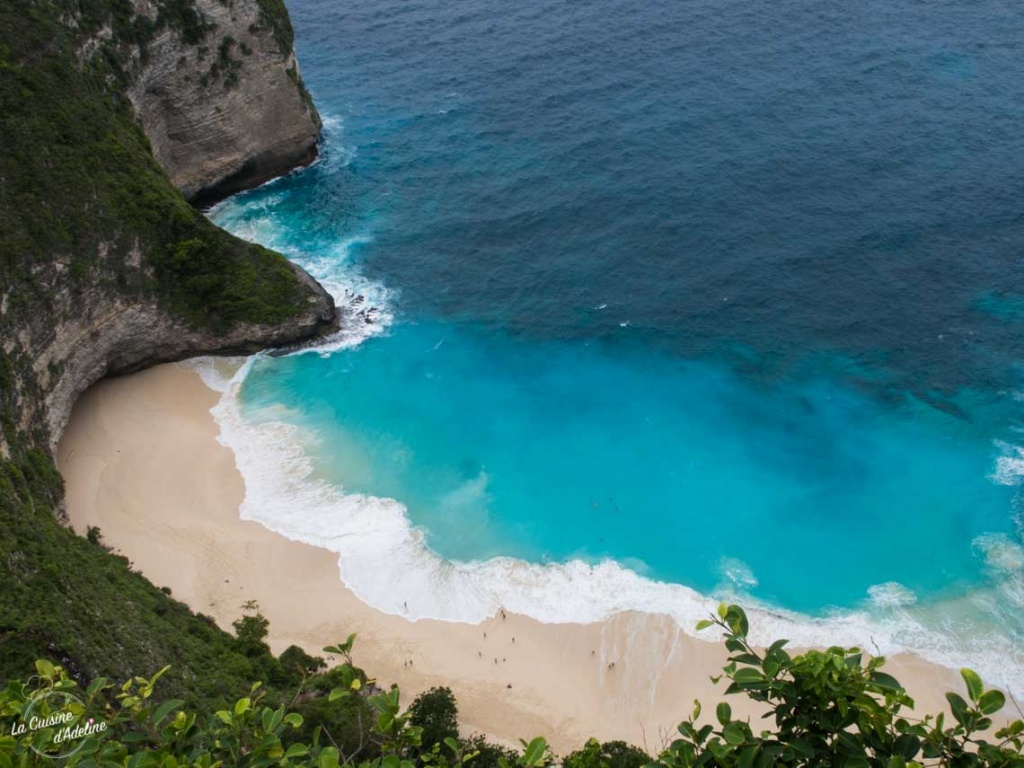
729	292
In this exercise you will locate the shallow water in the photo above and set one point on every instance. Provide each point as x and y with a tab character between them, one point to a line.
721	295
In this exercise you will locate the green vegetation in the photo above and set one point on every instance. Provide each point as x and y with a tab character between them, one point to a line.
611	754
183	16
823	708
86	213
436	712
225	66
274	16
830	708
81	185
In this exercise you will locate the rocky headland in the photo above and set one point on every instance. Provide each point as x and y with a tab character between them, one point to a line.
117	118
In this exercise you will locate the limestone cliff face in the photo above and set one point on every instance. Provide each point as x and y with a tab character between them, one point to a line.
228	111
101	335
104	268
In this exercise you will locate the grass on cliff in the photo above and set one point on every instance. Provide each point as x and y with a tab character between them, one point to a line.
86	210
80	184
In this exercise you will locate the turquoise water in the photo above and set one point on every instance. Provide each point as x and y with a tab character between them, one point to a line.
665	292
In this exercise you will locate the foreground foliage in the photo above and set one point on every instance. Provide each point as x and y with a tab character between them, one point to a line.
830	708
822	708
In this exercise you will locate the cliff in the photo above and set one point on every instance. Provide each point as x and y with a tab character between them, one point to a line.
105	269
112	112
221	99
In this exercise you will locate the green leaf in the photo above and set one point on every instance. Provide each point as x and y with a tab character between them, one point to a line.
165	709
734	733
535	751
974	686
886	681
801	747
704	624
907	746
272	718
736	618
294	719
45	668
746	658
724	713
991	702
748	675
158	675
225	716
242	705
747	756
329	758
958	706
296	750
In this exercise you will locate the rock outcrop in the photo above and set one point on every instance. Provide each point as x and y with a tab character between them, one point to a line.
104	268
113	336
230	111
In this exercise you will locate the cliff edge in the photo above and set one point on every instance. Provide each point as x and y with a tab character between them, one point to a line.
112	113
108	110
220	96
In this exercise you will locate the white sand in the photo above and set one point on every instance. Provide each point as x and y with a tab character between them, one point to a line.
141	461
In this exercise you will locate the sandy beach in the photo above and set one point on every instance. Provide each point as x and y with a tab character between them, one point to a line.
141	461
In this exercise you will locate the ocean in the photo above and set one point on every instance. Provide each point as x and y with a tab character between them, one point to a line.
652	305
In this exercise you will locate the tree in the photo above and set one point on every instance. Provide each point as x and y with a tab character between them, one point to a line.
487	754
436	712
251	630
610	754
297	661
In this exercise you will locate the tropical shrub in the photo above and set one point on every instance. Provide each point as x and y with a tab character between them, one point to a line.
436	712
831	708
822	708
610	754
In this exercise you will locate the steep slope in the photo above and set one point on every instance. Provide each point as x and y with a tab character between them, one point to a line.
105	268
220	97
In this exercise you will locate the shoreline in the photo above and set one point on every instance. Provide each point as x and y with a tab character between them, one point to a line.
141	461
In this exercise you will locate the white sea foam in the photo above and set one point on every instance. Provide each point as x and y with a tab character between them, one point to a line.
738	574
364	305
385	561
1001	552
1009	468
891	594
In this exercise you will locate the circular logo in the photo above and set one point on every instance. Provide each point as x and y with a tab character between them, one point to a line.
55	724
